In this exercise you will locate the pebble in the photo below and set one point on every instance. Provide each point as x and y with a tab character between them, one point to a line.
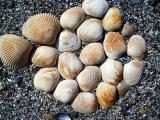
1	86
18	80
62	116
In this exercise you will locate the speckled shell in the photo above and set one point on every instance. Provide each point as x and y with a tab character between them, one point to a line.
66	91
85	103
127	29
45	56
96	8
89	78
92	54
14	50
46	79
136	47
122	88
41	28
114	45
69	65
68	42
90	30
112	71
112	20
72	18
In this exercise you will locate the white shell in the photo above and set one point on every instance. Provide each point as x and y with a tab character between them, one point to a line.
122	88
127	29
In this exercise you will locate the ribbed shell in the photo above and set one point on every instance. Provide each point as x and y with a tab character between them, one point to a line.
127	29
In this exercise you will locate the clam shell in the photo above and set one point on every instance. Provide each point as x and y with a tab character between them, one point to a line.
41	28
14	50
122	88
114	45
127	29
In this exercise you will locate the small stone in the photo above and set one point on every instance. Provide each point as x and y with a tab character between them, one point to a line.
10	3
1	86
62	116
48	116
18	80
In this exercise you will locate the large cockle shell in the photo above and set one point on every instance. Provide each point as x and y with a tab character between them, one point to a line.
89	78
127	29
14	50
41	28
92	54
90	30
69	65
66	91
122	88
114	45
46	79
45	56
133	72
85	102
72	18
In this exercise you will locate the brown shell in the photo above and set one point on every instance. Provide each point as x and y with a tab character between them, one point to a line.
127	29
122	88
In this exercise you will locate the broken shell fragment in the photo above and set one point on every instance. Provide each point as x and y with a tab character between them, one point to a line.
122	88
127	29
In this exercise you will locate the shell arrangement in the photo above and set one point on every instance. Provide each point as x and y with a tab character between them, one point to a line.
94	78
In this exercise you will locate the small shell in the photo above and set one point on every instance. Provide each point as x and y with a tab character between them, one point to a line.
112	71
14	50
106	94
133	72
114	45
112	20
92	54
66	91
68	42
96	8
90	30
85	103
41	28
127	29
122	88
69	65
45	56
72	18
89	78
46	79
136	47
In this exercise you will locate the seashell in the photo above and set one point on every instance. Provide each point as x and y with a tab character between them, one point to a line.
14	50
112	20
112	71
96	8
132	72
90	30
72	18
92	54
114	45
106	94
66	91
127	29
46	79
136	47
68	42
61	116
45	56
41	28
85	102
122	88
69	65
89	78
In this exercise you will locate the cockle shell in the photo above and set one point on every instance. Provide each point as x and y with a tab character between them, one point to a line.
66	91
114	45
68	42
46	79
14	50
122	88
90	30
41	28
92	54
96	8
112	71
85	102
127	29
69	65
136	47
72	18
132	72
45	56
89	78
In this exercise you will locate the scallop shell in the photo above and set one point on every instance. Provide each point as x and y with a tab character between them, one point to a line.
114	45
92	54
46	79
69	65
41	28
72	18
66	91
89	78
90	30
85	103
127	29
122	88
14	50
